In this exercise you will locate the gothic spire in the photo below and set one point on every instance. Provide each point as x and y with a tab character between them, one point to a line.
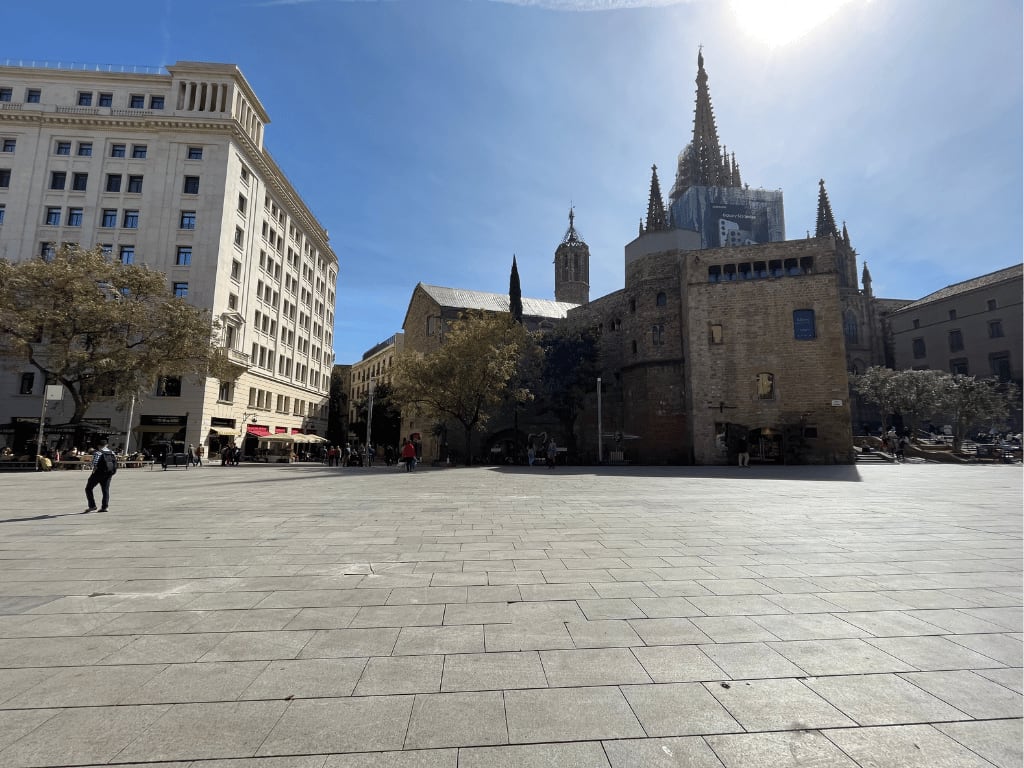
866	279
515	293
826	221
656	218
572	237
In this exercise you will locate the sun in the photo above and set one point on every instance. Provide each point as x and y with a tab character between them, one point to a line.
779	22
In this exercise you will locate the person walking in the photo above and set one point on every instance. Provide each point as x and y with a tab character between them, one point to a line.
552	453
743	451
104	466
199	455
191	455
408	454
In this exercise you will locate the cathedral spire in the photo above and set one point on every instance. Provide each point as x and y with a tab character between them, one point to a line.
656	218
866	279
572	266
826	221
515	293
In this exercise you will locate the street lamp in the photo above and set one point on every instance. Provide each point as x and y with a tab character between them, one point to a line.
369	419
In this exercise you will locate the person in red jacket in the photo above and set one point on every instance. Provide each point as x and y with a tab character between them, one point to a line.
408	454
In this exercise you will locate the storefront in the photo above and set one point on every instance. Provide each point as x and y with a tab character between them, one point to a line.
156	429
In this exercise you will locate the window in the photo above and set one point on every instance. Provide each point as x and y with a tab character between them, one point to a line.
242	203
117	150
632	305
232	301
917	345
765	386
244	176
85	149
181	290
168	386
109	218
999	363
33	95
657	335
991	305
5	178
135	184
195	153
47	251
9	145
956	341
851	328
106	99
113	182
131	219
156	102
224	392
5	94
660	300
79	181
137	101
917	324
188	220
28	381
958	366
84	99
183	258
107	249
74	217
995	329
634	346
239	237
53	217
236	269
63	148
803	324
952	314
191	186
127	254
3	210
139	151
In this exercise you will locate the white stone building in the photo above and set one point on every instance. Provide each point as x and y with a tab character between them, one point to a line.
169	169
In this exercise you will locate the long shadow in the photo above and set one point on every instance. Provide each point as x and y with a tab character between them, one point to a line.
40	517
846	473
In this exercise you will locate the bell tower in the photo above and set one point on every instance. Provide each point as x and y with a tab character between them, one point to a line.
572	267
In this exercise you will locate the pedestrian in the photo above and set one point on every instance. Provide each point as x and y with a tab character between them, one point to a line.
104	466
225	456
370	453
552	453
900	446
531	455
389	454
199	455
191	455
236	455
408	454
743	451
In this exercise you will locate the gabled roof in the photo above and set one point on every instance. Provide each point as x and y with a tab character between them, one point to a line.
461	298
974	284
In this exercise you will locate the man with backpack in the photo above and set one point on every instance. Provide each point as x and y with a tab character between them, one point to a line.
104	467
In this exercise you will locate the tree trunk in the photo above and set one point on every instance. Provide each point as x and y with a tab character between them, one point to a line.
469	446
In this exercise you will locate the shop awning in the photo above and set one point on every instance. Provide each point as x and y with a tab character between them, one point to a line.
164	428
309	439
277	439
224	431
258	430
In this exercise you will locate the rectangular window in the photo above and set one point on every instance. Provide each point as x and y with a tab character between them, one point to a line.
58	179
716	336
956	341
184	256
191	185
952	314
33	96
804	324
3	210
244	176
135	184
195	153
765	386
131	219
239	237
156	102
106	99
236	269
168	386
79	181
995	329
991	305
109	217
28	381
137	101
63	148
5	178
188	220
959	366
999	363
127	254
107	248
85	149
5	94
47	251
657	335
74	217
117	150
9	145
181	290
224	392
918	348
53	217
242	203
139	151
84	99
113	182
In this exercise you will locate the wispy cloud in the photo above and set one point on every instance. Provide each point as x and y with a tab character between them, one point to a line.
550	5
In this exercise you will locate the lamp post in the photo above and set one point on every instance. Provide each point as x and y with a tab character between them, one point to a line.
246	416
369	418
600	445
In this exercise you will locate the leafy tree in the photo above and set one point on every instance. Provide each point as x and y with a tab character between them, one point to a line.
99	327
468	377
337	413
971	402
917	394
569	371
877	385
387	416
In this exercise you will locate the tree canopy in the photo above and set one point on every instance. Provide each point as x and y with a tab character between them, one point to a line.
568	373
102	328
468	377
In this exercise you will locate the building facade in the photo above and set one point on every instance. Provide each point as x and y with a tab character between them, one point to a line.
373	369
169	169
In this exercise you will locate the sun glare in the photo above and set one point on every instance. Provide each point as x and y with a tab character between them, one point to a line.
779	22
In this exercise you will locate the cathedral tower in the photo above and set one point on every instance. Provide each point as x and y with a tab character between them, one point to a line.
572	267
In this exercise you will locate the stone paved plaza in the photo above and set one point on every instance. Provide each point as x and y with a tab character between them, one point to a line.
306	617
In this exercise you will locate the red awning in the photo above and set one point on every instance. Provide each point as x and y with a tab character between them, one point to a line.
257	429
280	430
296	431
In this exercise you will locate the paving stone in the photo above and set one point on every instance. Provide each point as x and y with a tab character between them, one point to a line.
812	626
372	723
15	723
884	699
732	629
998	741
1004	648
1008	678
477	613
527	637
584	754
87	686
969	692
493	671
457	720
668	631
839	657
678	709
592	667
420	758
914	746
340	643
767	705
569	714
604	634
933	653
418	641
791	749
681	752
400	674
677	664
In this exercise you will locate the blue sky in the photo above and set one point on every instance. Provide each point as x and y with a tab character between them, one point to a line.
434	139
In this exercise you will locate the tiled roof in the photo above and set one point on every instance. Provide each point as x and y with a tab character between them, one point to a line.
993	278
460	298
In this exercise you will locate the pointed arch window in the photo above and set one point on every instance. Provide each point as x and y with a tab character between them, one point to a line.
851	328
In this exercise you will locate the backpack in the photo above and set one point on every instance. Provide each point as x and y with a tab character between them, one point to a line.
108	463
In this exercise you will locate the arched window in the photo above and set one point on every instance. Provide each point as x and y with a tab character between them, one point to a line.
661	299
851	327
